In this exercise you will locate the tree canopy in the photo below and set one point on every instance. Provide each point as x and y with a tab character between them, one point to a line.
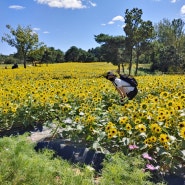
23	39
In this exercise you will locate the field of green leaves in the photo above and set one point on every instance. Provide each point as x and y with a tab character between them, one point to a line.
78	99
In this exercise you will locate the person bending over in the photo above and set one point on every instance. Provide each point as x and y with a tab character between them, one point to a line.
124	88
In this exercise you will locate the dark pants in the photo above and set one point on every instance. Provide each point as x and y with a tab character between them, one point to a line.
132	94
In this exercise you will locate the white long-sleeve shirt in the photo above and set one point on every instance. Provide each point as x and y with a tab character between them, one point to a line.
121	83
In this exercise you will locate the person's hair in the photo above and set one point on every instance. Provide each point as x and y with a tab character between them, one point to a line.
110	74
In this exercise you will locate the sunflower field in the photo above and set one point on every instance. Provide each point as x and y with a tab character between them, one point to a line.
85	107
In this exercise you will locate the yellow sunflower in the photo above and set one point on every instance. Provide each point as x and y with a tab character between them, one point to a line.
170	103
155	128
178	106
113	131
163	138
166	146
153	139
128	126
77	119
146	141
91	129
107	128
142	128
137	121
110	135
121	133
144	106
182	124
182	132
164	94
123	120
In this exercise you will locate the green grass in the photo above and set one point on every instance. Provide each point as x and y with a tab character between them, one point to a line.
125	170
22	165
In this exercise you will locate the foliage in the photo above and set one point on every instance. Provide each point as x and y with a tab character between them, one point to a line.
10	60
36	54
168	55
121	169
170	33
112	48
138	34
75	54
23	39
87	109
20	164
168	60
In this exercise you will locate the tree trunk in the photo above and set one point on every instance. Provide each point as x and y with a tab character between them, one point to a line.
118	70
24	61
123	68
130	64
137	63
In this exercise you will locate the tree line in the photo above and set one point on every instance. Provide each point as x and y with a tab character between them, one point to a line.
162	45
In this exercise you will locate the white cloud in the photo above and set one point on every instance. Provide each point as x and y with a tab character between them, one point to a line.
183	10
111	22
118	18
114	19
72	4
173	1
92	4
17	7
46	32
36	29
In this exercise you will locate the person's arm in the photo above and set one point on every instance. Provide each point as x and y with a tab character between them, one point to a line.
121	92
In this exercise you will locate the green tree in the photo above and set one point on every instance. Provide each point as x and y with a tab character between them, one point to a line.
144	36
46	54
10	60
164	33
112	48
169	60
23	39
138	34
132	21
52	55
75	54
82	55
36	54
171	33
72	54
95	55
169	53
179	35
3	58
59	56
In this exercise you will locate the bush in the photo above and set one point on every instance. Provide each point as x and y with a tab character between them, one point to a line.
10	60
125	170
21	164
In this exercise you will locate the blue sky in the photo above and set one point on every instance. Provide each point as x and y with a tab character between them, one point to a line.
65	23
